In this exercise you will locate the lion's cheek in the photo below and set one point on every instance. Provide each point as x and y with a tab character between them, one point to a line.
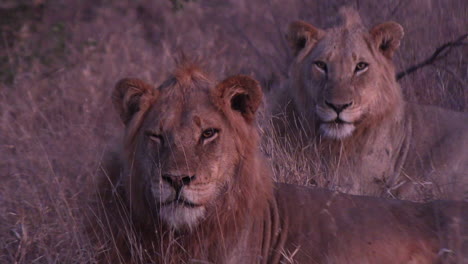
201	195
325	114
352	115
221	170
213	180
369	99
162	192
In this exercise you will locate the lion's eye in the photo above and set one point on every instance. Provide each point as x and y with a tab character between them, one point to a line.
209	133
361	66
154	137
321	65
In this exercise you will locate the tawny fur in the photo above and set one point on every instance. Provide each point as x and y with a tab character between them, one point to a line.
383	146
248	219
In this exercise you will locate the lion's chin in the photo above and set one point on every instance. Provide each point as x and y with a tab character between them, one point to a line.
336	130
182	217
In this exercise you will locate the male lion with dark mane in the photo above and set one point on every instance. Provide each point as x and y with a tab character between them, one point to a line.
343	93
190	185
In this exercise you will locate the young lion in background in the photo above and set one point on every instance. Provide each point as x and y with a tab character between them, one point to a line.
191	186
344	100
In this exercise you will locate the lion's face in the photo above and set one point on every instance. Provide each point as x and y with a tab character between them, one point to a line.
344	76
189	156
185	148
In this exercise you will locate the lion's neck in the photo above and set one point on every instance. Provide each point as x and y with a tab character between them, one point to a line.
367	161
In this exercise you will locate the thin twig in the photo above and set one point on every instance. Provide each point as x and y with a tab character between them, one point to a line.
435	56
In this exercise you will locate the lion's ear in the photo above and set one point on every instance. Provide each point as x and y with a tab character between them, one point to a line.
241	94
131	96
387	37
302	34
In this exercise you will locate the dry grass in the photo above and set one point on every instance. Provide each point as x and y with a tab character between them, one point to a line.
59	61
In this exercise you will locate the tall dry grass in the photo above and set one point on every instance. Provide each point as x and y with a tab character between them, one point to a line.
60	59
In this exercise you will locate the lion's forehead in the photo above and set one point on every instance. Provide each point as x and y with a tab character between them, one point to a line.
185	115
344	46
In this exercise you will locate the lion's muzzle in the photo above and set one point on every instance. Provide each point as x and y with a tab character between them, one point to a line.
177	185
337	120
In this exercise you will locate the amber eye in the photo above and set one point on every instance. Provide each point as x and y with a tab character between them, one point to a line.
321	65
209	133
361	66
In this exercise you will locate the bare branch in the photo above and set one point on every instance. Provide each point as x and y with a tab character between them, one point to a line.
439	53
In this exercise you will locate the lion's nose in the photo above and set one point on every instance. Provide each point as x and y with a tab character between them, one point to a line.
177	181
338	107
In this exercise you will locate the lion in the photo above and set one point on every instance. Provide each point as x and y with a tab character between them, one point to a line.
369	140
190	185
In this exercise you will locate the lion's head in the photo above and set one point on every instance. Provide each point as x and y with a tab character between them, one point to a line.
190	147
344	75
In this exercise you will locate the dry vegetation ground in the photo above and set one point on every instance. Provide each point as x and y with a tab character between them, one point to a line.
60	59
